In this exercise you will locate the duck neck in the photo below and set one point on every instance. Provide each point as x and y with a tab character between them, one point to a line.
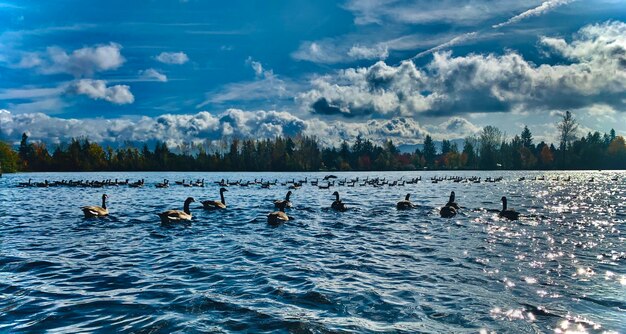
337	197
222	197
186	207
504	204
287	197
407	197
451	198
104	202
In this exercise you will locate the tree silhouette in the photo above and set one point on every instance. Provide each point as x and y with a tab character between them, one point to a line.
567	133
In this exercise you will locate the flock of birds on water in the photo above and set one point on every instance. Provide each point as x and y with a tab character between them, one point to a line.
449	210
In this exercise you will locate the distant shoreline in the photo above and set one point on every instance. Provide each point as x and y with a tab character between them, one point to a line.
319	171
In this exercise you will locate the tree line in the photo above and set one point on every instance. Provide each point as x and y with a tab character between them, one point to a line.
488	150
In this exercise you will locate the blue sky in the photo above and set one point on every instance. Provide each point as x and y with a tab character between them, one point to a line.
197	70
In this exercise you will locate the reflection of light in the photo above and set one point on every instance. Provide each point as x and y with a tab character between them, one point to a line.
530	280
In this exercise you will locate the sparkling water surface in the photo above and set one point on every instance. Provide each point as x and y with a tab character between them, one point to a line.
560	268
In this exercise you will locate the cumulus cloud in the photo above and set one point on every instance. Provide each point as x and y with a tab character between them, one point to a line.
379	89
152	75
545	7
596	72
177	58
232	123
98	90
79	63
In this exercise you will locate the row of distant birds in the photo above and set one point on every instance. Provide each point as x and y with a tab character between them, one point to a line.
326	183
449	210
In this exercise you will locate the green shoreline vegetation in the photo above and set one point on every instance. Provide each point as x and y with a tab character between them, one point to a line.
488	150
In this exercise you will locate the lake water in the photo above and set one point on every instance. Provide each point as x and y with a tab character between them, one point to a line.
560	268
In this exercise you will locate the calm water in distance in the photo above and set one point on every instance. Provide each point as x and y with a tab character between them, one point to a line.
561	268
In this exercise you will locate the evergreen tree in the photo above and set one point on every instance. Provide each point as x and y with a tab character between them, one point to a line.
429	151
527	137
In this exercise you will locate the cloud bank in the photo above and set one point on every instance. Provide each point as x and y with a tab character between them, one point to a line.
232	123
595	71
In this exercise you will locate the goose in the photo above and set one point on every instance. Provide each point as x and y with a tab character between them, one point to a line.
278	217
508	213
338	205
451	201
450	209
172	216
165	184
406	204
211	205
285	201
25	184
96	211
447	211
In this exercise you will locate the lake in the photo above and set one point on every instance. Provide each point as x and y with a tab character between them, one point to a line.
560	268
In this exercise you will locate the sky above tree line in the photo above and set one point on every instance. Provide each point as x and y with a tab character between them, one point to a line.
193	70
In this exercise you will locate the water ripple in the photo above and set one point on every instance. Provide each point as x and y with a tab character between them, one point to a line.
370	269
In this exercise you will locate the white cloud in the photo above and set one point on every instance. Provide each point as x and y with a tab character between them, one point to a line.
454	41
98	90
545	7
365	52
79	63
375	45
482	83
177	58
152	75
323	52
379	89
454	127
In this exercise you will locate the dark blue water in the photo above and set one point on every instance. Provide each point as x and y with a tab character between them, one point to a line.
371	269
